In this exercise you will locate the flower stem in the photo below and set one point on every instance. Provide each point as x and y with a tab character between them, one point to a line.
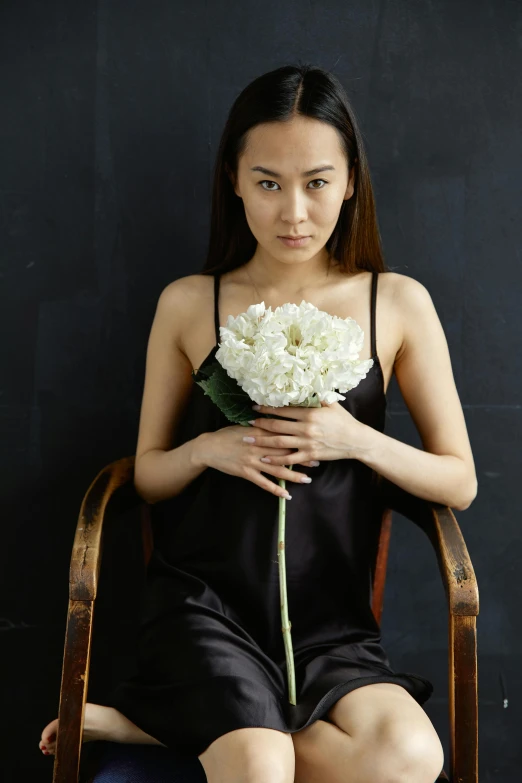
286	625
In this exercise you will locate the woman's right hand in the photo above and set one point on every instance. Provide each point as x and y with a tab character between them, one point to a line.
226	450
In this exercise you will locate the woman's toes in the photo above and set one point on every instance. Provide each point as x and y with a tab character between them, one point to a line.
48	740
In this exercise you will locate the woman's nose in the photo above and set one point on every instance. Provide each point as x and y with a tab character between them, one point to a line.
294	209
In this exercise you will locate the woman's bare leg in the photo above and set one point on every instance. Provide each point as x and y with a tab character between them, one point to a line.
250	755
379	733
100	723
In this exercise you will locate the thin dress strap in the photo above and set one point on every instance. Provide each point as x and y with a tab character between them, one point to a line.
375	276
216	306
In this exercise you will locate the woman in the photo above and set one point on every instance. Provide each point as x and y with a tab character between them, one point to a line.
212	678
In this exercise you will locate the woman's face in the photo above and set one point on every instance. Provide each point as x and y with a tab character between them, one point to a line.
283	200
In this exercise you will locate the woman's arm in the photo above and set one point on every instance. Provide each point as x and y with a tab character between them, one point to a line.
444	472
161	472
442	478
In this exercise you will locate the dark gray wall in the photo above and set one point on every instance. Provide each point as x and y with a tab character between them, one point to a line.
111	116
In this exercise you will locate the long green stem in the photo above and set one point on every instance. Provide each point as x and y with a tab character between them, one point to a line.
286	625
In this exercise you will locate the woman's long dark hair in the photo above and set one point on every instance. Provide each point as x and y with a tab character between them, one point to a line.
278	96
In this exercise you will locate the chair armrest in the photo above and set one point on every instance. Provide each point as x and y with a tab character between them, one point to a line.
83	584
460	584
87	546
441	527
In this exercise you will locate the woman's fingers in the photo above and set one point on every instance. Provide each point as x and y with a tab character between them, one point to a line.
280	472
265	458
268	458
312	463
264	483
285	473
295	458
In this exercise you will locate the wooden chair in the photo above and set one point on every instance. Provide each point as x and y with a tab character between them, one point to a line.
437	521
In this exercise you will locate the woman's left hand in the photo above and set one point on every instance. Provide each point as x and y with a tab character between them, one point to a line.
326	433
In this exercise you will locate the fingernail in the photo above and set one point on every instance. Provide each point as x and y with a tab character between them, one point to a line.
249	439
314	462
266	459
252	421
306	479
287	496
256	407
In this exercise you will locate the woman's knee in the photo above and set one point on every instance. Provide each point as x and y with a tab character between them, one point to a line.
407	754
250	755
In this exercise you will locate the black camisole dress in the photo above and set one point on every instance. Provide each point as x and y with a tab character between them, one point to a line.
210	655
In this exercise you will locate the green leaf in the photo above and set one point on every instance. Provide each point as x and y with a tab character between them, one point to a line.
226	393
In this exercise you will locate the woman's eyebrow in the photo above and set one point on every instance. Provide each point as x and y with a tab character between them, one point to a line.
304	174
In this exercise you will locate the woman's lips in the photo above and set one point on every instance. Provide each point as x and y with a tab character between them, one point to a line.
294	242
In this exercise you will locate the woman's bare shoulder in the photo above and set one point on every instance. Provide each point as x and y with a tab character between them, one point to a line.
410	301
188	286
395	283
186	301
184	297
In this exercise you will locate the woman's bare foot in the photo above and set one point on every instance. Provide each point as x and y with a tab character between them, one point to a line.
100	723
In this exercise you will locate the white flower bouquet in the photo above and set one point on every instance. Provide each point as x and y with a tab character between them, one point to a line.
293	356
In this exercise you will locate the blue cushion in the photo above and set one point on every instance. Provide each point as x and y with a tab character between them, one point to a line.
125	763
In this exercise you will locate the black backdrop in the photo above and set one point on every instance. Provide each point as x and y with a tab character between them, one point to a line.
111	114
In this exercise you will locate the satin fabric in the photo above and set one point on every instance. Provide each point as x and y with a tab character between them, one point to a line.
210	655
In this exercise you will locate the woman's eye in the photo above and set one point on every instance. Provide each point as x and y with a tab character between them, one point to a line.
319	180
271	182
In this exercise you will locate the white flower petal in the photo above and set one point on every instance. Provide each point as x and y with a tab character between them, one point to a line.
294	355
